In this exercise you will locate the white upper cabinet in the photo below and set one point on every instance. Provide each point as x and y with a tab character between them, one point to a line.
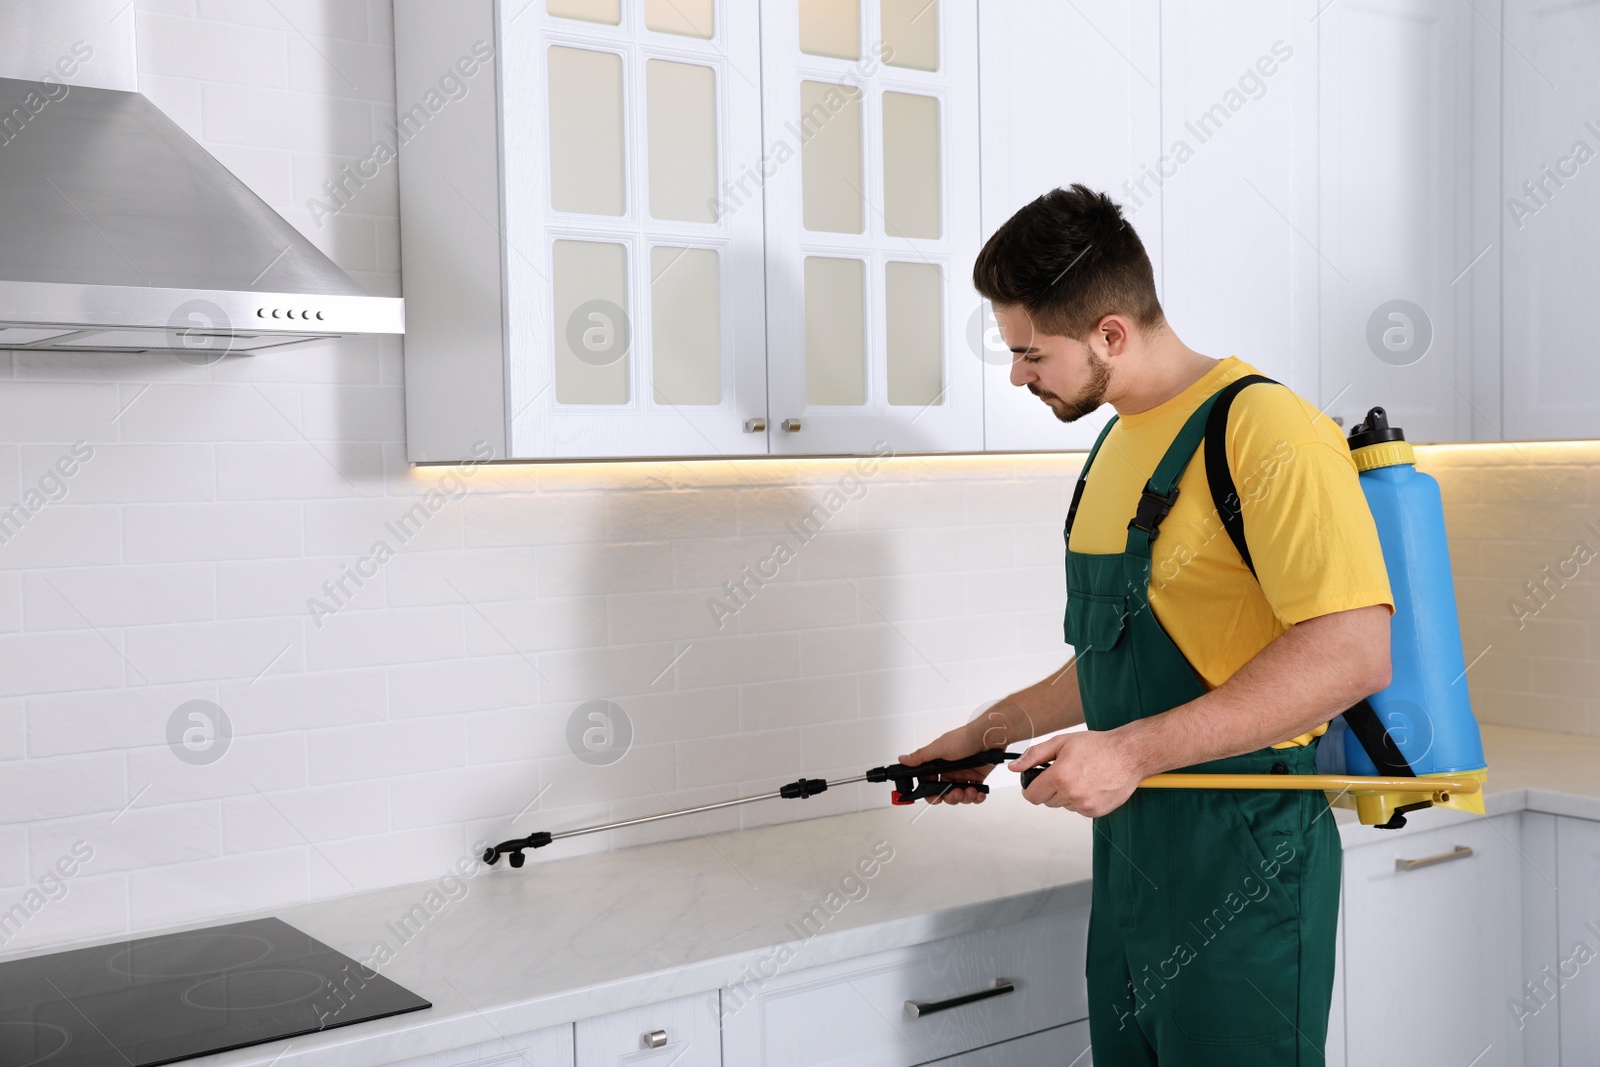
586	261
1071	93
1236	81
1550	218
871	185
1396	243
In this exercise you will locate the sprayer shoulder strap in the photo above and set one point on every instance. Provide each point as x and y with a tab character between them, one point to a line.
1362	719
1218	475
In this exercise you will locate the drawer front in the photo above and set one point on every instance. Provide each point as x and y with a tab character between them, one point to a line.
1063	1046
542	1048
855	1014
682	1033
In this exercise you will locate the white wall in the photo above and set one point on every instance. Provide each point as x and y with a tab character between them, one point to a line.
373	749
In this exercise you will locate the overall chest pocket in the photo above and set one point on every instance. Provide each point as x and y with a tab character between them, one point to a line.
1094	623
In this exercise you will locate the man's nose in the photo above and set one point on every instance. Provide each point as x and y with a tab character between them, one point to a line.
1021	373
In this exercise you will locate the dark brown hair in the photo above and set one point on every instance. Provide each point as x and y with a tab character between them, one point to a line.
1069	259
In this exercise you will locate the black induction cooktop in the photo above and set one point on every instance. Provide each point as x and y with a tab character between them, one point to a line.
162	999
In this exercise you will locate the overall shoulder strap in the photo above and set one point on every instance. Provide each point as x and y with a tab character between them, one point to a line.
1224	494
1161	491
1083	475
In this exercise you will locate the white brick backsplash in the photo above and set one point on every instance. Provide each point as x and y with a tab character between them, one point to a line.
106	720
529	626
208	51
478	684
451	797
62	412
405	524
421	578
137	838
279	702
83	598
197	411
233	885
299	471
245	648
256	588
369	638
61	786
574	570
127	474
386	750
177	533
13	729
59	662
156	775
433	706
59	535
295	817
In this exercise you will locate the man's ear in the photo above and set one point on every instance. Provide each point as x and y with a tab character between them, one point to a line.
1112	331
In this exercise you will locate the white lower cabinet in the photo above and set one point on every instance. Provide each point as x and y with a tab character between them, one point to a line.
1060	1046
1433	947
915	1005
1571	969
542	1048
682	1033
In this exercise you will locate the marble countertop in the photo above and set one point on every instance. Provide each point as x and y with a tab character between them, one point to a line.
566	940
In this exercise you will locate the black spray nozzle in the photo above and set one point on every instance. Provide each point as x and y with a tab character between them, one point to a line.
1375	430
512	850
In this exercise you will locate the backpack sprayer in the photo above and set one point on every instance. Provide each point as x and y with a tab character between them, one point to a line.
1414	745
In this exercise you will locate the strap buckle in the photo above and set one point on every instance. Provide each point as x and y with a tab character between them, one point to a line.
1153	507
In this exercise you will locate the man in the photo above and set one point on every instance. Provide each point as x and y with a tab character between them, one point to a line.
1211	934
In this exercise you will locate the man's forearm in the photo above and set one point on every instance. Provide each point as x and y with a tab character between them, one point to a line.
1308	675
1049	705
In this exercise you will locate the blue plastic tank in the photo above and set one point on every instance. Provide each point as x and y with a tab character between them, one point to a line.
1426	707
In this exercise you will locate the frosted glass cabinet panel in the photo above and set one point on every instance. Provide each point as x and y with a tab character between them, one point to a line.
828	27
836	354
911	166
682	141
911	33
591	298
871	238
687	18
604	11
686	303
913	314
585	254
830	154
586	157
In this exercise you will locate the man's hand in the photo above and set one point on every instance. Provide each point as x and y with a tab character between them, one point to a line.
1093	773
957	744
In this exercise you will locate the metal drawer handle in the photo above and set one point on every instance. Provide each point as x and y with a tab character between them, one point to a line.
1002	986
1460	852
653	1039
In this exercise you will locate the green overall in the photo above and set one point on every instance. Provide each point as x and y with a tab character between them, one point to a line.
1211	935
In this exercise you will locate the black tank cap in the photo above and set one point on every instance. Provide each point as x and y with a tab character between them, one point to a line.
1375	430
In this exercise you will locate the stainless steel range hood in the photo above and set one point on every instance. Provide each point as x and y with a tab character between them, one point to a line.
118	232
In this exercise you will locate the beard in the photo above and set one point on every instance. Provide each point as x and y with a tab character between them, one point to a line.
1090	397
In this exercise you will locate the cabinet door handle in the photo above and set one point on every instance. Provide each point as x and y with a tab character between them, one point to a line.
1460	852
917	1009
653	1039
792	425
755	425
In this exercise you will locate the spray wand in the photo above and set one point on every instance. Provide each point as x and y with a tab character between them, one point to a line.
911	784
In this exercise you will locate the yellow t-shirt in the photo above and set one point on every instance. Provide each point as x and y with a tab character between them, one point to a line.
1307	523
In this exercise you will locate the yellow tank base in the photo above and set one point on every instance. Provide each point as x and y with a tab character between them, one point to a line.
1388	810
